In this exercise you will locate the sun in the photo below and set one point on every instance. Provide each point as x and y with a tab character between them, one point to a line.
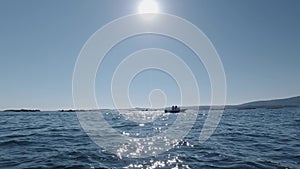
148	6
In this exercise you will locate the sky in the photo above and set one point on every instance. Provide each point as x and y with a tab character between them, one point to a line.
258	43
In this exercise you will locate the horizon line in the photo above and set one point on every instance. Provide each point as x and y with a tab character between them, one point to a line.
66	109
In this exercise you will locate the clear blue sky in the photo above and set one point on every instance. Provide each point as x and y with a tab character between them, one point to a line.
258	42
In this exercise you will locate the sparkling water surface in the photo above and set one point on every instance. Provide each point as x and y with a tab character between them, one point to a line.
259	138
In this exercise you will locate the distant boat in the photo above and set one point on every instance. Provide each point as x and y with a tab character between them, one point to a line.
174	109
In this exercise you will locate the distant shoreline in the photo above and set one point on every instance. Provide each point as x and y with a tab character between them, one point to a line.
21	110
230	107
292	102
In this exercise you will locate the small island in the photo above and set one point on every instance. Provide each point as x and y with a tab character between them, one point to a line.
22	110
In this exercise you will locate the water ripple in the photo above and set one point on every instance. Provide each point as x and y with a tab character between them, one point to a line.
257	138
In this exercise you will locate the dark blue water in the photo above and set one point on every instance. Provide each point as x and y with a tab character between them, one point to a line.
261	138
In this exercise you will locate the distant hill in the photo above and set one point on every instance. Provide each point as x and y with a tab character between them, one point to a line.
277	103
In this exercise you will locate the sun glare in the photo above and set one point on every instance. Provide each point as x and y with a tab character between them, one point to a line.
148	6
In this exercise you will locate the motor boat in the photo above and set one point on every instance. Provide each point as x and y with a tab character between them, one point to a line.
174	109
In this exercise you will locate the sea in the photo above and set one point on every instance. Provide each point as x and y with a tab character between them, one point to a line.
256	138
